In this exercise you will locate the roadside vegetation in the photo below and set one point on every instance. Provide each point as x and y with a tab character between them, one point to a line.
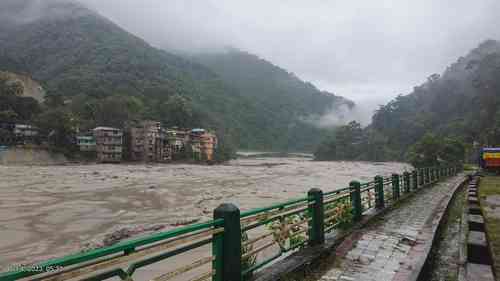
489	194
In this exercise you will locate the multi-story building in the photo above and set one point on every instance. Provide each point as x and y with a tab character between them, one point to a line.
7	136
203	145
177	140
86	143
148	142
208	146
108	144
25	131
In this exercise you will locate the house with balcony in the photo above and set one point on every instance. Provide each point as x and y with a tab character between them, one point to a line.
109	144
86	143
177	140
203	145
149	143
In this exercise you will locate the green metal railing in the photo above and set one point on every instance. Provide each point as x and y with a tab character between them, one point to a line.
235	245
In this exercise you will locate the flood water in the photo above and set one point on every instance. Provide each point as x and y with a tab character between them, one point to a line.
50	211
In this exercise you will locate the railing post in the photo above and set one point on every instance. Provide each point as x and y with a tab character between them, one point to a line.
379	192
406	179
317	222
357	208
395	187
415	179
228	251
421	176
427	178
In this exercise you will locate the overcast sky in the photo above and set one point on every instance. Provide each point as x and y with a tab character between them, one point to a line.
368	51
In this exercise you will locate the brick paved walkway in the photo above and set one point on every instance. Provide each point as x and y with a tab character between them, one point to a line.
391	248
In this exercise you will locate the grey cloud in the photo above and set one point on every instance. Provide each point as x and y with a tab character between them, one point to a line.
363	50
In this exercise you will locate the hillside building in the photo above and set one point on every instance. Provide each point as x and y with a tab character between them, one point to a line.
109	143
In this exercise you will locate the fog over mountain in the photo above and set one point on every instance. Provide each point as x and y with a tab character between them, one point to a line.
367	51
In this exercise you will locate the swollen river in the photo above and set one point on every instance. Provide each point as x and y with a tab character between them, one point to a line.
50	211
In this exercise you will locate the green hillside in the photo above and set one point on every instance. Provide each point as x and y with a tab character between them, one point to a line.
281	97
460	106
99	73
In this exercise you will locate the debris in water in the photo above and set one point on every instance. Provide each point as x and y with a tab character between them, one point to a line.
184	222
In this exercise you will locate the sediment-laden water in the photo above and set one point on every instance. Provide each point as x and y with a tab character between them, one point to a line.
50	211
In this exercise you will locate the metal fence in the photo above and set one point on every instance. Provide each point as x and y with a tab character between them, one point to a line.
233	246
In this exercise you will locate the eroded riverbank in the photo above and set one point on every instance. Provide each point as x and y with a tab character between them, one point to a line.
51	211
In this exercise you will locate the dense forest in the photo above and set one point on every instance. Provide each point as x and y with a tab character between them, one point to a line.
96	73
445	116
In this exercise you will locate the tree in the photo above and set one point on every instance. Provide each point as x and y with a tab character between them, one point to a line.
13	106
425	152
346	144
177	111
59	126
432	150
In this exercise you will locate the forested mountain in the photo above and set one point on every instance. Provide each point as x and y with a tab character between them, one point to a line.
97	73
269	84
461	105
281	97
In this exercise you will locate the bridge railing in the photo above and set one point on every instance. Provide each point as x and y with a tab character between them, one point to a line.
233	246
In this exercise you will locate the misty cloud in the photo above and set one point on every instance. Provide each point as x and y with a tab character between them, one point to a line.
363	50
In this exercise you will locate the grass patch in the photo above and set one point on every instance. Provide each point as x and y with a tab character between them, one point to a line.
490	185
470	167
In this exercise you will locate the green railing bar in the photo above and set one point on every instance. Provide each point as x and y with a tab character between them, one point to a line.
261	264
336	191
94	254
133	267
332	227
277	217
272	207
295	246
108	274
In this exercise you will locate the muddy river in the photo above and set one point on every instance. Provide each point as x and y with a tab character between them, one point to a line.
50	211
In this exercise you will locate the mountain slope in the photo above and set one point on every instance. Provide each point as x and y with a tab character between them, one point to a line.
257	78
279	95
441	119
96	66
463	102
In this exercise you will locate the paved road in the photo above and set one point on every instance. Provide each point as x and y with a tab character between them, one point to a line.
390	248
